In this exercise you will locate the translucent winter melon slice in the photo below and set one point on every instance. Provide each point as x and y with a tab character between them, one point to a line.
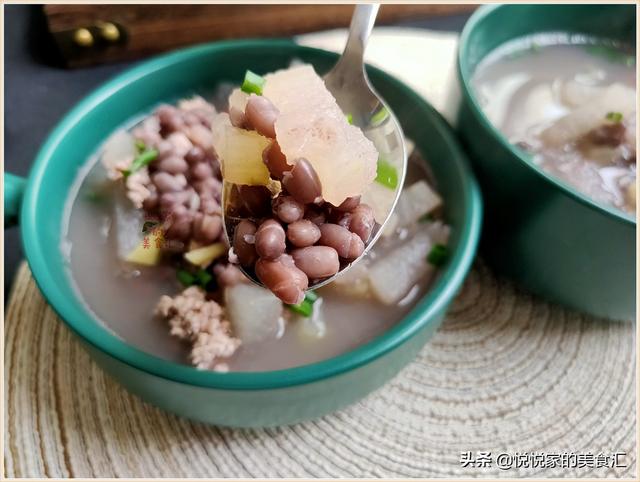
240	153
238	100
312	125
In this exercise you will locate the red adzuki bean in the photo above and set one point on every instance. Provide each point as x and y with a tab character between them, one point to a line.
303	233
283	278
317	261
348	245
270	239
243	249
303	183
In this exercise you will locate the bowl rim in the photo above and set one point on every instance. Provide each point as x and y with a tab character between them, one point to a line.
90	331
464	74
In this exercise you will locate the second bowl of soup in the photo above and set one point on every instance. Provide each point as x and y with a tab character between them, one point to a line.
548	114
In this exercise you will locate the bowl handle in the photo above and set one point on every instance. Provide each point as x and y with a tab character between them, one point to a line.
14	187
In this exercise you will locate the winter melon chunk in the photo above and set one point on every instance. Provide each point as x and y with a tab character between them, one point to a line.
311	125
240	153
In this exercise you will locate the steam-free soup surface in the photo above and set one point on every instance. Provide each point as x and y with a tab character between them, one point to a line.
123	296
571	103
149	257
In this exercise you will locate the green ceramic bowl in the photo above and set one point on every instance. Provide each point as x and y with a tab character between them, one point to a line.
235	399
541	232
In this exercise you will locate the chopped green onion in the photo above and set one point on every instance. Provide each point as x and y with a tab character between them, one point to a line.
350	118
438	255
204	277
387	174
614	117
185	278
253	83
380	116
143	159
305	308
311	296
140	146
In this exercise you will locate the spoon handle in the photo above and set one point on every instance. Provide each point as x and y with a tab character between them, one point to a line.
364	17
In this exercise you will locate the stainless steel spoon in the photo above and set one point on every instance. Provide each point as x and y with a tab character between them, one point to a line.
349	84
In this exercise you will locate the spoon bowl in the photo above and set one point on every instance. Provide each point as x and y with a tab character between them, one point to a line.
348	83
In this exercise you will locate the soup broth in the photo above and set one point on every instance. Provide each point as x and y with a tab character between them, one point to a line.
123	297
571	103
104	226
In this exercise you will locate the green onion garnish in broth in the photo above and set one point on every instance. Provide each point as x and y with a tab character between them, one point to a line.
311	296
614	117
185	278
438	255
305	308
140	146
204	277
143	159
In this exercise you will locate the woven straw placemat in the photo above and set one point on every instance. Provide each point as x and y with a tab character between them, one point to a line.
505	373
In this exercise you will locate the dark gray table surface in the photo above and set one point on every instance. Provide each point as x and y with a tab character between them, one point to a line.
38	92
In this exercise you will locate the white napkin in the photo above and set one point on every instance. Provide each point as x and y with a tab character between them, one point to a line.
424	60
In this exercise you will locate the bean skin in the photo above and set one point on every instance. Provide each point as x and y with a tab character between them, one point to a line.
200	136
179	223
181	143
261	114
303	183
166	182
349	204
245	251
190	118
339	217
348	245
210	186
345	220
170	119
209	205
195	155
165	149
288	209
173	165
207	228
170	200
152	200
283	278
303	233
275	161
317	261
270	240
362	222
202	170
